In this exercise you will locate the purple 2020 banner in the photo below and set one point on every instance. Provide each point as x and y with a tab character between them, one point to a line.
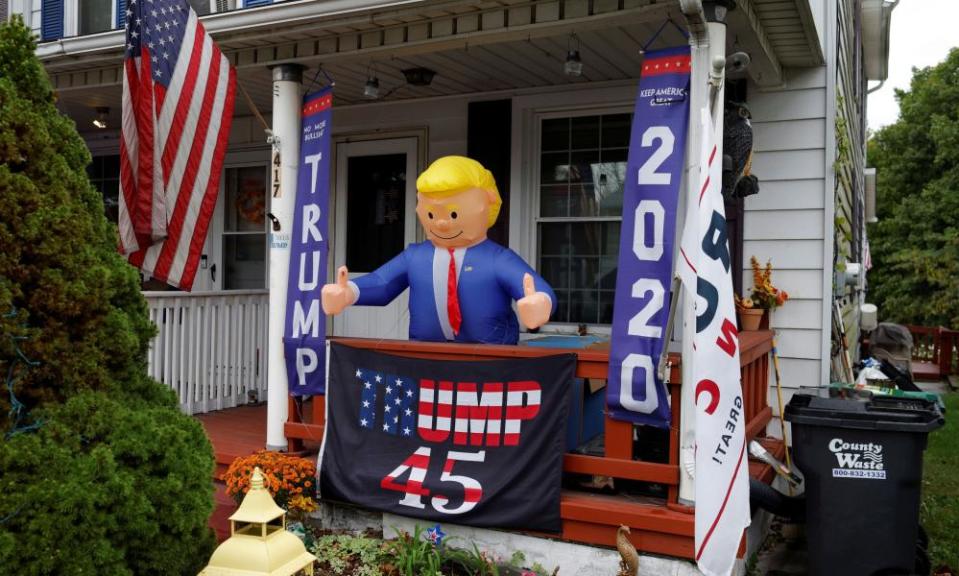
657	148
304	332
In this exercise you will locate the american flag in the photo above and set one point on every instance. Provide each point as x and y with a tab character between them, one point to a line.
399	395
178	93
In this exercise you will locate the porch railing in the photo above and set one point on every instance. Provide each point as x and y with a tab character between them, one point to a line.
210	347
936	345
581	513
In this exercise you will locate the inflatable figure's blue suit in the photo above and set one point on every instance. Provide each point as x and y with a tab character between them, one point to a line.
461	284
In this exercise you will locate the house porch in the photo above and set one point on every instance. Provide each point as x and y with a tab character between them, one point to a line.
659	523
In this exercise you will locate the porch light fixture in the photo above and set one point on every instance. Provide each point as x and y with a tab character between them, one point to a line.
574	64
419	76
716	10
101	120
372	88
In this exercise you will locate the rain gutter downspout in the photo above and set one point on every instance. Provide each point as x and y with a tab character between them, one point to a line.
707	42
887	9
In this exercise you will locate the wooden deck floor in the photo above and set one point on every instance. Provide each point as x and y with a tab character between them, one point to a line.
241	431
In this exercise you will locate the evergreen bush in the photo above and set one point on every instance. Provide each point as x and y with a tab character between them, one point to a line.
87	322
103	489
115	480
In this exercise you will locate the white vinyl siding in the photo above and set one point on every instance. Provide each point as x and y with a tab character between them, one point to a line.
786	221
789	195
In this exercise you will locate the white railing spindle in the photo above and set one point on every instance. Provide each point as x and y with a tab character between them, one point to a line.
210	347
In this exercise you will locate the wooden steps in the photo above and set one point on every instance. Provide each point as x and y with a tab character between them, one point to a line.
234	432
926	371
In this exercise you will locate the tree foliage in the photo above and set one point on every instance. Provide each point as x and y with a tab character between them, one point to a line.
88	323
915	244
115	480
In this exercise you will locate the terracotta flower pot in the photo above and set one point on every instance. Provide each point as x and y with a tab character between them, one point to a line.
750	318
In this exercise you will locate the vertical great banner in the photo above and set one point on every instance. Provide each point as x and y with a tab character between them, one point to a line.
657	149
304	333
722	483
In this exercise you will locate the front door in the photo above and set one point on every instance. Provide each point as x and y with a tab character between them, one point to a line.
375	221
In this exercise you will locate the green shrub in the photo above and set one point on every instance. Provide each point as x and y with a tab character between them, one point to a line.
59	266
104	489
115	480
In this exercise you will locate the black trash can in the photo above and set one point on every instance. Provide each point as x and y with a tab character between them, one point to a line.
863	467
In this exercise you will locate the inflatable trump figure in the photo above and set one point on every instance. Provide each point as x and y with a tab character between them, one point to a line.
462	285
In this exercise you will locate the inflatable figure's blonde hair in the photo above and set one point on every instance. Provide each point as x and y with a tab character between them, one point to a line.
451	175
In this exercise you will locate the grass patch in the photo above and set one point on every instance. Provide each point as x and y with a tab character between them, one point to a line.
940	488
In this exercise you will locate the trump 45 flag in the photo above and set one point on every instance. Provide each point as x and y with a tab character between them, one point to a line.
478	443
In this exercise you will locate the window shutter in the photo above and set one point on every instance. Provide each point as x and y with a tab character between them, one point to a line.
3	10
121	13
252	3
51	19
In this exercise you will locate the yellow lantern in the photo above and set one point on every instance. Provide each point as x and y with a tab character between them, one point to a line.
259	542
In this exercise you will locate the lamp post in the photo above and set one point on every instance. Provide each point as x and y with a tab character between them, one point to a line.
259	543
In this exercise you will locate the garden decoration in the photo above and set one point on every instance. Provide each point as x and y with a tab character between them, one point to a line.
259	542
629	558
752	313
763	296
462	284
435	535
738	181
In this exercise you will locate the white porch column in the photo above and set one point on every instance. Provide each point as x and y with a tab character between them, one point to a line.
707	43
287	100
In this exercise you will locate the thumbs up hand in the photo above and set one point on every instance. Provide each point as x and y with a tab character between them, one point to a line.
336	297
534	307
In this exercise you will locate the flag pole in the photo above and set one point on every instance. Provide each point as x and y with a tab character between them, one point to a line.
708	47
252	106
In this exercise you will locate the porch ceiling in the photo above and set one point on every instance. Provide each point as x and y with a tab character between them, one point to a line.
473	45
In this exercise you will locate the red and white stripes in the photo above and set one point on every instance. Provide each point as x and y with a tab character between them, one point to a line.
481	416
171	155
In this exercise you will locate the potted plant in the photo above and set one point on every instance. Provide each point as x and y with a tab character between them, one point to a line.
763	296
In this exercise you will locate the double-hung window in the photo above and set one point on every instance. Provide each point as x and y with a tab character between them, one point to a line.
95	16
244	231
582	171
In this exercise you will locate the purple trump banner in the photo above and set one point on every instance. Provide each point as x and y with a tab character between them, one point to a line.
657	149
304	332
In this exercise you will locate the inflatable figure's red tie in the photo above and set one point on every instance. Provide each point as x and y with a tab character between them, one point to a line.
452	300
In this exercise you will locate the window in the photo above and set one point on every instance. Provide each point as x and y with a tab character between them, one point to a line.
104	174
201	7
582	172
244	228
95	16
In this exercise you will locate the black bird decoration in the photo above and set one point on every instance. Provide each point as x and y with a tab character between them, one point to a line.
738	182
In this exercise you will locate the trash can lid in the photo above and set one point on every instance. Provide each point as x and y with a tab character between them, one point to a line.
878	413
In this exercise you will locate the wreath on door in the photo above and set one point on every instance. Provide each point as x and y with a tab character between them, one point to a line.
251	205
